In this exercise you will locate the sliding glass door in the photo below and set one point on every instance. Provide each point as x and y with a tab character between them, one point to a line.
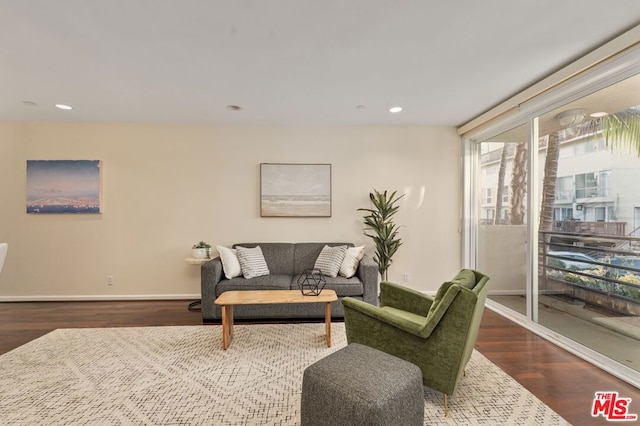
552	215
588	251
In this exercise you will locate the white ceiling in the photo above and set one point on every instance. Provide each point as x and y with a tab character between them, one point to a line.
288	61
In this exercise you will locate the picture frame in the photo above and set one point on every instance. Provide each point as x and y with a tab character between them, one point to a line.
295	190
64	186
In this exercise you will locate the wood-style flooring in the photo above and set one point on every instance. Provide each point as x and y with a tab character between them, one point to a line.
563	381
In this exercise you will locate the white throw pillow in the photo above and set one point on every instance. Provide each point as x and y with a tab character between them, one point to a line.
230	263
252	262
330	260
351	261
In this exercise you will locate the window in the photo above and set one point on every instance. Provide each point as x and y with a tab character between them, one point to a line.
564	188
487	197
562	213
586	185
505	194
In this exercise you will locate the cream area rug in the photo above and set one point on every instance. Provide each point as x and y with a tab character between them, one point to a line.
181	376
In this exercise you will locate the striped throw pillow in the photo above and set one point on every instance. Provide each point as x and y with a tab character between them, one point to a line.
330	260
252	262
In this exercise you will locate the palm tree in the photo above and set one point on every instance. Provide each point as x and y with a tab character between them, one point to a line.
621	133
500	190
519	184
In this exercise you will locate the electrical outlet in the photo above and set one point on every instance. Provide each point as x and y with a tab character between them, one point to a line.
109	279
406	277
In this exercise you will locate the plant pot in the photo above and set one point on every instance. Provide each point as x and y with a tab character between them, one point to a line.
201	253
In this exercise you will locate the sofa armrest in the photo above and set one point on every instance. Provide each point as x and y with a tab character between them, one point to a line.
210	275
368	274
404	298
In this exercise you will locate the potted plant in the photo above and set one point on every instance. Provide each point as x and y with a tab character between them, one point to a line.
202	250
383	231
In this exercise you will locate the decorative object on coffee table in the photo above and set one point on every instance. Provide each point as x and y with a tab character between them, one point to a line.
311	282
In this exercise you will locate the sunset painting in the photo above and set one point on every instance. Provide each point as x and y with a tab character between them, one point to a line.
293	190
63	186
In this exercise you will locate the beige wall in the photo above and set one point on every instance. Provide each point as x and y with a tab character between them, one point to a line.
167	187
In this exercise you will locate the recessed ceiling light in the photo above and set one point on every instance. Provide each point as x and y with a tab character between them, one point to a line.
29	103
395	109
62	106
234	107
599	114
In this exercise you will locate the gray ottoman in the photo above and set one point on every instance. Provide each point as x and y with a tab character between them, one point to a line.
359	385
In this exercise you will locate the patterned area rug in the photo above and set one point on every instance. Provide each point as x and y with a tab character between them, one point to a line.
181	376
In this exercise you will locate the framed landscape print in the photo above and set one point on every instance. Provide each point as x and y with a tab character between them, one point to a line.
295	190
63	186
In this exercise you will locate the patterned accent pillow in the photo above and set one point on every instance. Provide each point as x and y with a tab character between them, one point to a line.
330	260
252	262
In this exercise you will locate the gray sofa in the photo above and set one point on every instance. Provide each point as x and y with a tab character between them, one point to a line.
286	261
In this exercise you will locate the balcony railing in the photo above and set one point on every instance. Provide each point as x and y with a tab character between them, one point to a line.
603	270
593	192
565	195
580	227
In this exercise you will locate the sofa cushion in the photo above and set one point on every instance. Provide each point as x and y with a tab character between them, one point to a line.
265	282
330	259
252	262
279	256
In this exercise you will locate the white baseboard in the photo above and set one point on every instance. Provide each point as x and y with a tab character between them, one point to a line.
110	297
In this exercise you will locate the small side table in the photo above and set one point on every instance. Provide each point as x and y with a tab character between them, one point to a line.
195	261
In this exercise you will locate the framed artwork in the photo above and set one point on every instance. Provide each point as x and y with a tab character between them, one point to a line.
295	190
63	186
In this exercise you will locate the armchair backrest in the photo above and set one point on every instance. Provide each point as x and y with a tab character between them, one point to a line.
455	317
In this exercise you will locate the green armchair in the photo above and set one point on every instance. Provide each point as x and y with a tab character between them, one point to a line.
437	334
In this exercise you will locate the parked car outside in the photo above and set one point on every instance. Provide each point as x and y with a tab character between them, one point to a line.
576	261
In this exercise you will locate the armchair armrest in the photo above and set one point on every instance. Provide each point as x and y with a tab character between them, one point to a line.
379	314
404	298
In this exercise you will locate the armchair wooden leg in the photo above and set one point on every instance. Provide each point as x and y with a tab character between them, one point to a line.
446	405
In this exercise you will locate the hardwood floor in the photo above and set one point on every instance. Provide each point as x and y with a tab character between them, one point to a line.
563	381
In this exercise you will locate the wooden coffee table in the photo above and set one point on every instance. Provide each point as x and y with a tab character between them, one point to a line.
260	297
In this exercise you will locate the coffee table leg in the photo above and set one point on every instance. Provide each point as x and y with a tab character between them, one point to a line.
225	327
327	320
230	323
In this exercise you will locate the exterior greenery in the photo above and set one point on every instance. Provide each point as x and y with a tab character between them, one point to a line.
383	231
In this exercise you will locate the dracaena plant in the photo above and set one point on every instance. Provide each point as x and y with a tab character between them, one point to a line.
379	226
